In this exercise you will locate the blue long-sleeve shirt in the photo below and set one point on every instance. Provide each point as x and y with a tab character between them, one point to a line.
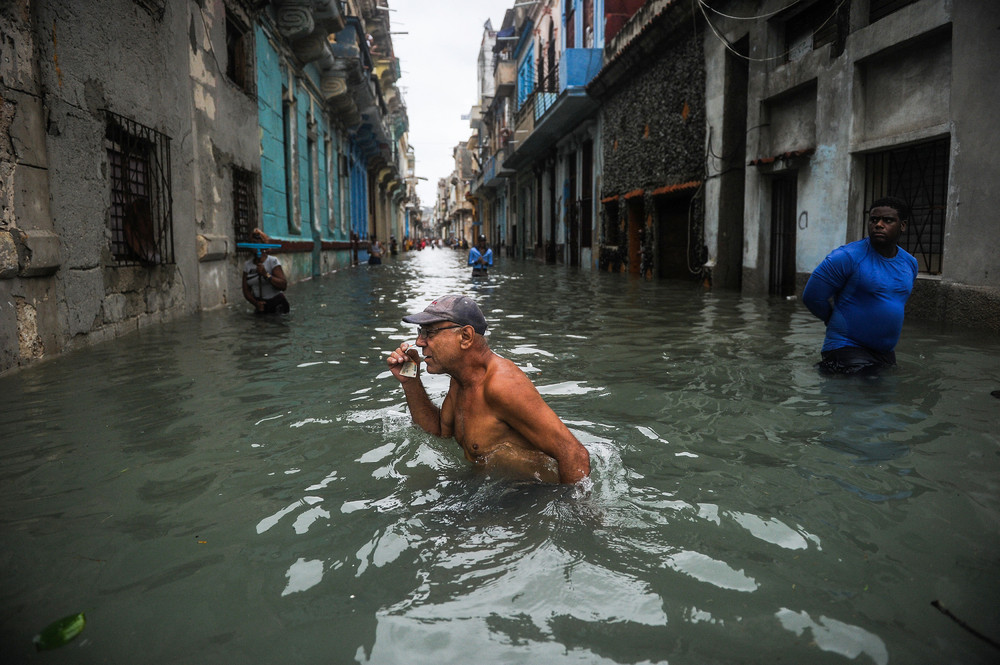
868	293
474	256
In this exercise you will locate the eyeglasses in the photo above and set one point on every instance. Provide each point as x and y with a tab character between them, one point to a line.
427	333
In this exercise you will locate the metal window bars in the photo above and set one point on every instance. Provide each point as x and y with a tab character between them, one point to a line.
141	217
918	174
244	204
240	66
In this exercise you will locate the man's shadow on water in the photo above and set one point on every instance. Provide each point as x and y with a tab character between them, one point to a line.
871	422
864	417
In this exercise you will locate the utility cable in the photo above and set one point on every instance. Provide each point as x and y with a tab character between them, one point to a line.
780	56
749	18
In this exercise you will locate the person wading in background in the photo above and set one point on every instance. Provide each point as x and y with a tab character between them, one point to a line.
264	280
868	282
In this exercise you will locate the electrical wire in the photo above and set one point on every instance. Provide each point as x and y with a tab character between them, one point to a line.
749	18
731	48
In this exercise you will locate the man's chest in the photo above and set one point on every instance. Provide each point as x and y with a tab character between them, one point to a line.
477	428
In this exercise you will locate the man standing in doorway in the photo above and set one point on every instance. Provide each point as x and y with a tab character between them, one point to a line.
868	282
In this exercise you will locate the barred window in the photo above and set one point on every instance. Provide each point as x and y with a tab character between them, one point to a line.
811	28
878	9
240	54
918	174
141	217
244	204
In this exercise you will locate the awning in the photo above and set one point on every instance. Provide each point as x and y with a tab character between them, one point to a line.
671	189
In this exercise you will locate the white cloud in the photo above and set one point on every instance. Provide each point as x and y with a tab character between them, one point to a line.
438	59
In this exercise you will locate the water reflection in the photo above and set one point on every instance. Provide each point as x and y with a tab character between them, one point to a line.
244	489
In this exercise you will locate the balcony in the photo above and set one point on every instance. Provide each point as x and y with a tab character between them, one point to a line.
505	76
557	106
578	66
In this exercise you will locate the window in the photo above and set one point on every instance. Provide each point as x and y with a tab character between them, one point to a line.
878	9
244	203
570	23
811	28
918	174
525	77
240	55
139	168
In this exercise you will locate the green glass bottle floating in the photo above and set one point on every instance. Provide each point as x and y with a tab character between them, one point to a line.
61	632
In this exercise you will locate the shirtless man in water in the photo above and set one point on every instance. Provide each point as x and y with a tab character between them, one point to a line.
492	408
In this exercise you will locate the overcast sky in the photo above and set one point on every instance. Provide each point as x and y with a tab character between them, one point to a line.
438	59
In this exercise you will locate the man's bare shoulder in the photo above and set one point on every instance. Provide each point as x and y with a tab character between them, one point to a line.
505	380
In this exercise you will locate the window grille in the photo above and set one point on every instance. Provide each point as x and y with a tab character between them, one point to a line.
918	174
244	204
141	217
811	29
240	55
878	9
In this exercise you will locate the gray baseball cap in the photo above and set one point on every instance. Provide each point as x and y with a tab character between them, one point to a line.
459	309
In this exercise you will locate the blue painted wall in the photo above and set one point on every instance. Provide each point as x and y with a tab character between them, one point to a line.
274	190
272	143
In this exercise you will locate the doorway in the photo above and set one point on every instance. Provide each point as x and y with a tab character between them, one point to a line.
672	236
573	214
635	224
783	221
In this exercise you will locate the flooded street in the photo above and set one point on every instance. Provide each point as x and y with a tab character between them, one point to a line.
235	489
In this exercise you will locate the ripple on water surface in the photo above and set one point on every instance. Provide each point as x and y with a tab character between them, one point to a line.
253	490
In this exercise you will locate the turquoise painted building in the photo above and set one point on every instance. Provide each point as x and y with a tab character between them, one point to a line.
330	169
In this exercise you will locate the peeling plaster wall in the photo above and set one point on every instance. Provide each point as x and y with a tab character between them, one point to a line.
63	63
133	61
29	250
223	136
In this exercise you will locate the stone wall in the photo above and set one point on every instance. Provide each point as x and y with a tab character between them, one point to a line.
654	121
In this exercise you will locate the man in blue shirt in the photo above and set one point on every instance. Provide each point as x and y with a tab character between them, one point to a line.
869	282
480	257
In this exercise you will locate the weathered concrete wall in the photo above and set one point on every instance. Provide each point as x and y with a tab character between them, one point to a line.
30	251
64	64
918	74
223	136
135	65
972	247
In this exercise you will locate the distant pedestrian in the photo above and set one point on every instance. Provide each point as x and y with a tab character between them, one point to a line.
375	252
868	282
480	257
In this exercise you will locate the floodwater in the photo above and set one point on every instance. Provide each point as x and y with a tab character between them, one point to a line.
233	489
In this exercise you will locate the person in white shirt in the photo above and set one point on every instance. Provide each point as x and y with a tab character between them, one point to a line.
264	281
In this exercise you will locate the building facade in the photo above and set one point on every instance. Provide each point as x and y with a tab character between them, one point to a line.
737	143
141	140
832	107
